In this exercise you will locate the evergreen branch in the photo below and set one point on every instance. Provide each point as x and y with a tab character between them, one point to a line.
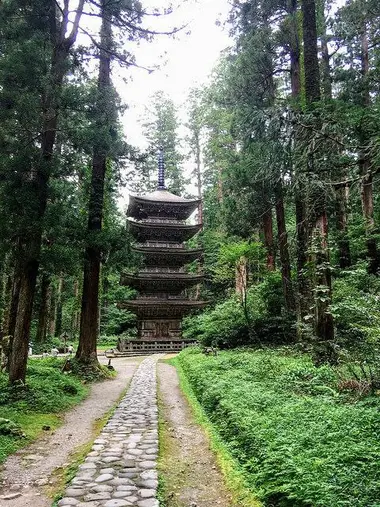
169	11
118	56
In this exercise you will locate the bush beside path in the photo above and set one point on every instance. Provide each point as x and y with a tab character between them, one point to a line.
303	436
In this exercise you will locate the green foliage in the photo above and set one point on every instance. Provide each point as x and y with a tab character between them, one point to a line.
356	307
30	407
234	323
298	439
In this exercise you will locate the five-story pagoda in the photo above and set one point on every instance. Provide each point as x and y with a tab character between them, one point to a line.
158	222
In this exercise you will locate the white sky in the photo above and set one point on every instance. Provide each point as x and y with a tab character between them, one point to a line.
186	60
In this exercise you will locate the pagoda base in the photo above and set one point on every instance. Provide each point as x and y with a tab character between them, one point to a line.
144	347
159	329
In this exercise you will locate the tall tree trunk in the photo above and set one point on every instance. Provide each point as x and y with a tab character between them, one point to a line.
325	63
286	275
241	278
300	190
89	324
44	310
74	317
31	243
52	312
268	238
365	166
58	308
344	250
323	320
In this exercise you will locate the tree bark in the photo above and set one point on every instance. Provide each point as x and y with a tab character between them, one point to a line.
365	167
268	239
286	275
323	320
89	324
241	278
58	308
44	310
310	49
341	225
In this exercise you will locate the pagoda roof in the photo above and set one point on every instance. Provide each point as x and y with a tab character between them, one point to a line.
167	256
161	281
162	308
158	231
161	203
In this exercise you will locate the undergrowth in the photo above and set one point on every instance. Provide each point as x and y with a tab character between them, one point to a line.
35	406
301	435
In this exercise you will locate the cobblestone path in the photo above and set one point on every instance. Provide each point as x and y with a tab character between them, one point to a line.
121	469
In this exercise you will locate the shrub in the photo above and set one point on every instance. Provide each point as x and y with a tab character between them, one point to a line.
299	441
232	324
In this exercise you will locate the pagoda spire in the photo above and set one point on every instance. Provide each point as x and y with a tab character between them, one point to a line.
161	170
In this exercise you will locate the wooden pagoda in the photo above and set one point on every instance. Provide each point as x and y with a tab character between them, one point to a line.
158	222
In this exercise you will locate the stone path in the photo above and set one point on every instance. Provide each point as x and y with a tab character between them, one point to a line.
121	469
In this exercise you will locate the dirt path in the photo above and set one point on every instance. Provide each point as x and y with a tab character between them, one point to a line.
26	473
191	476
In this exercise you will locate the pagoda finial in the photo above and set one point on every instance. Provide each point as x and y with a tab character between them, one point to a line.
161	169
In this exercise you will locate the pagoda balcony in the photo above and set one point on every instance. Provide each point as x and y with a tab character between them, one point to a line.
156	231
167	256
155	220
163	269
158	281
166	308
160	244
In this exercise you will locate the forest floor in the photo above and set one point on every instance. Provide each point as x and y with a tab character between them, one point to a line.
187	467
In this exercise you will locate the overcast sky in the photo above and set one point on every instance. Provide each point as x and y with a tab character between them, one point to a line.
185	60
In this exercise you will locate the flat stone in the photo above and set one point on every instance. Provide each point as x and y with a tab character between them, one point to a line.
129	463
87	466
97	496
149	502
75	492
117	502
107	471
101	488
68	501
121	480
149	474
110	459
126	487
147	493
88	504
147	464
149	484
121	494
104	478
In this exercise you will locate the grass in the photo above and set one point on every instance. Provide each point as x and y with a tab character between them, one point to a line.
234	478
297	436
38	404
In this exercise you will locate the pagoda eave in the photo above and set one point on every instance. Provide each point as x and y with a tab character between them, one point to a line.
156	256
161	282
153	308
161	204
157	231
